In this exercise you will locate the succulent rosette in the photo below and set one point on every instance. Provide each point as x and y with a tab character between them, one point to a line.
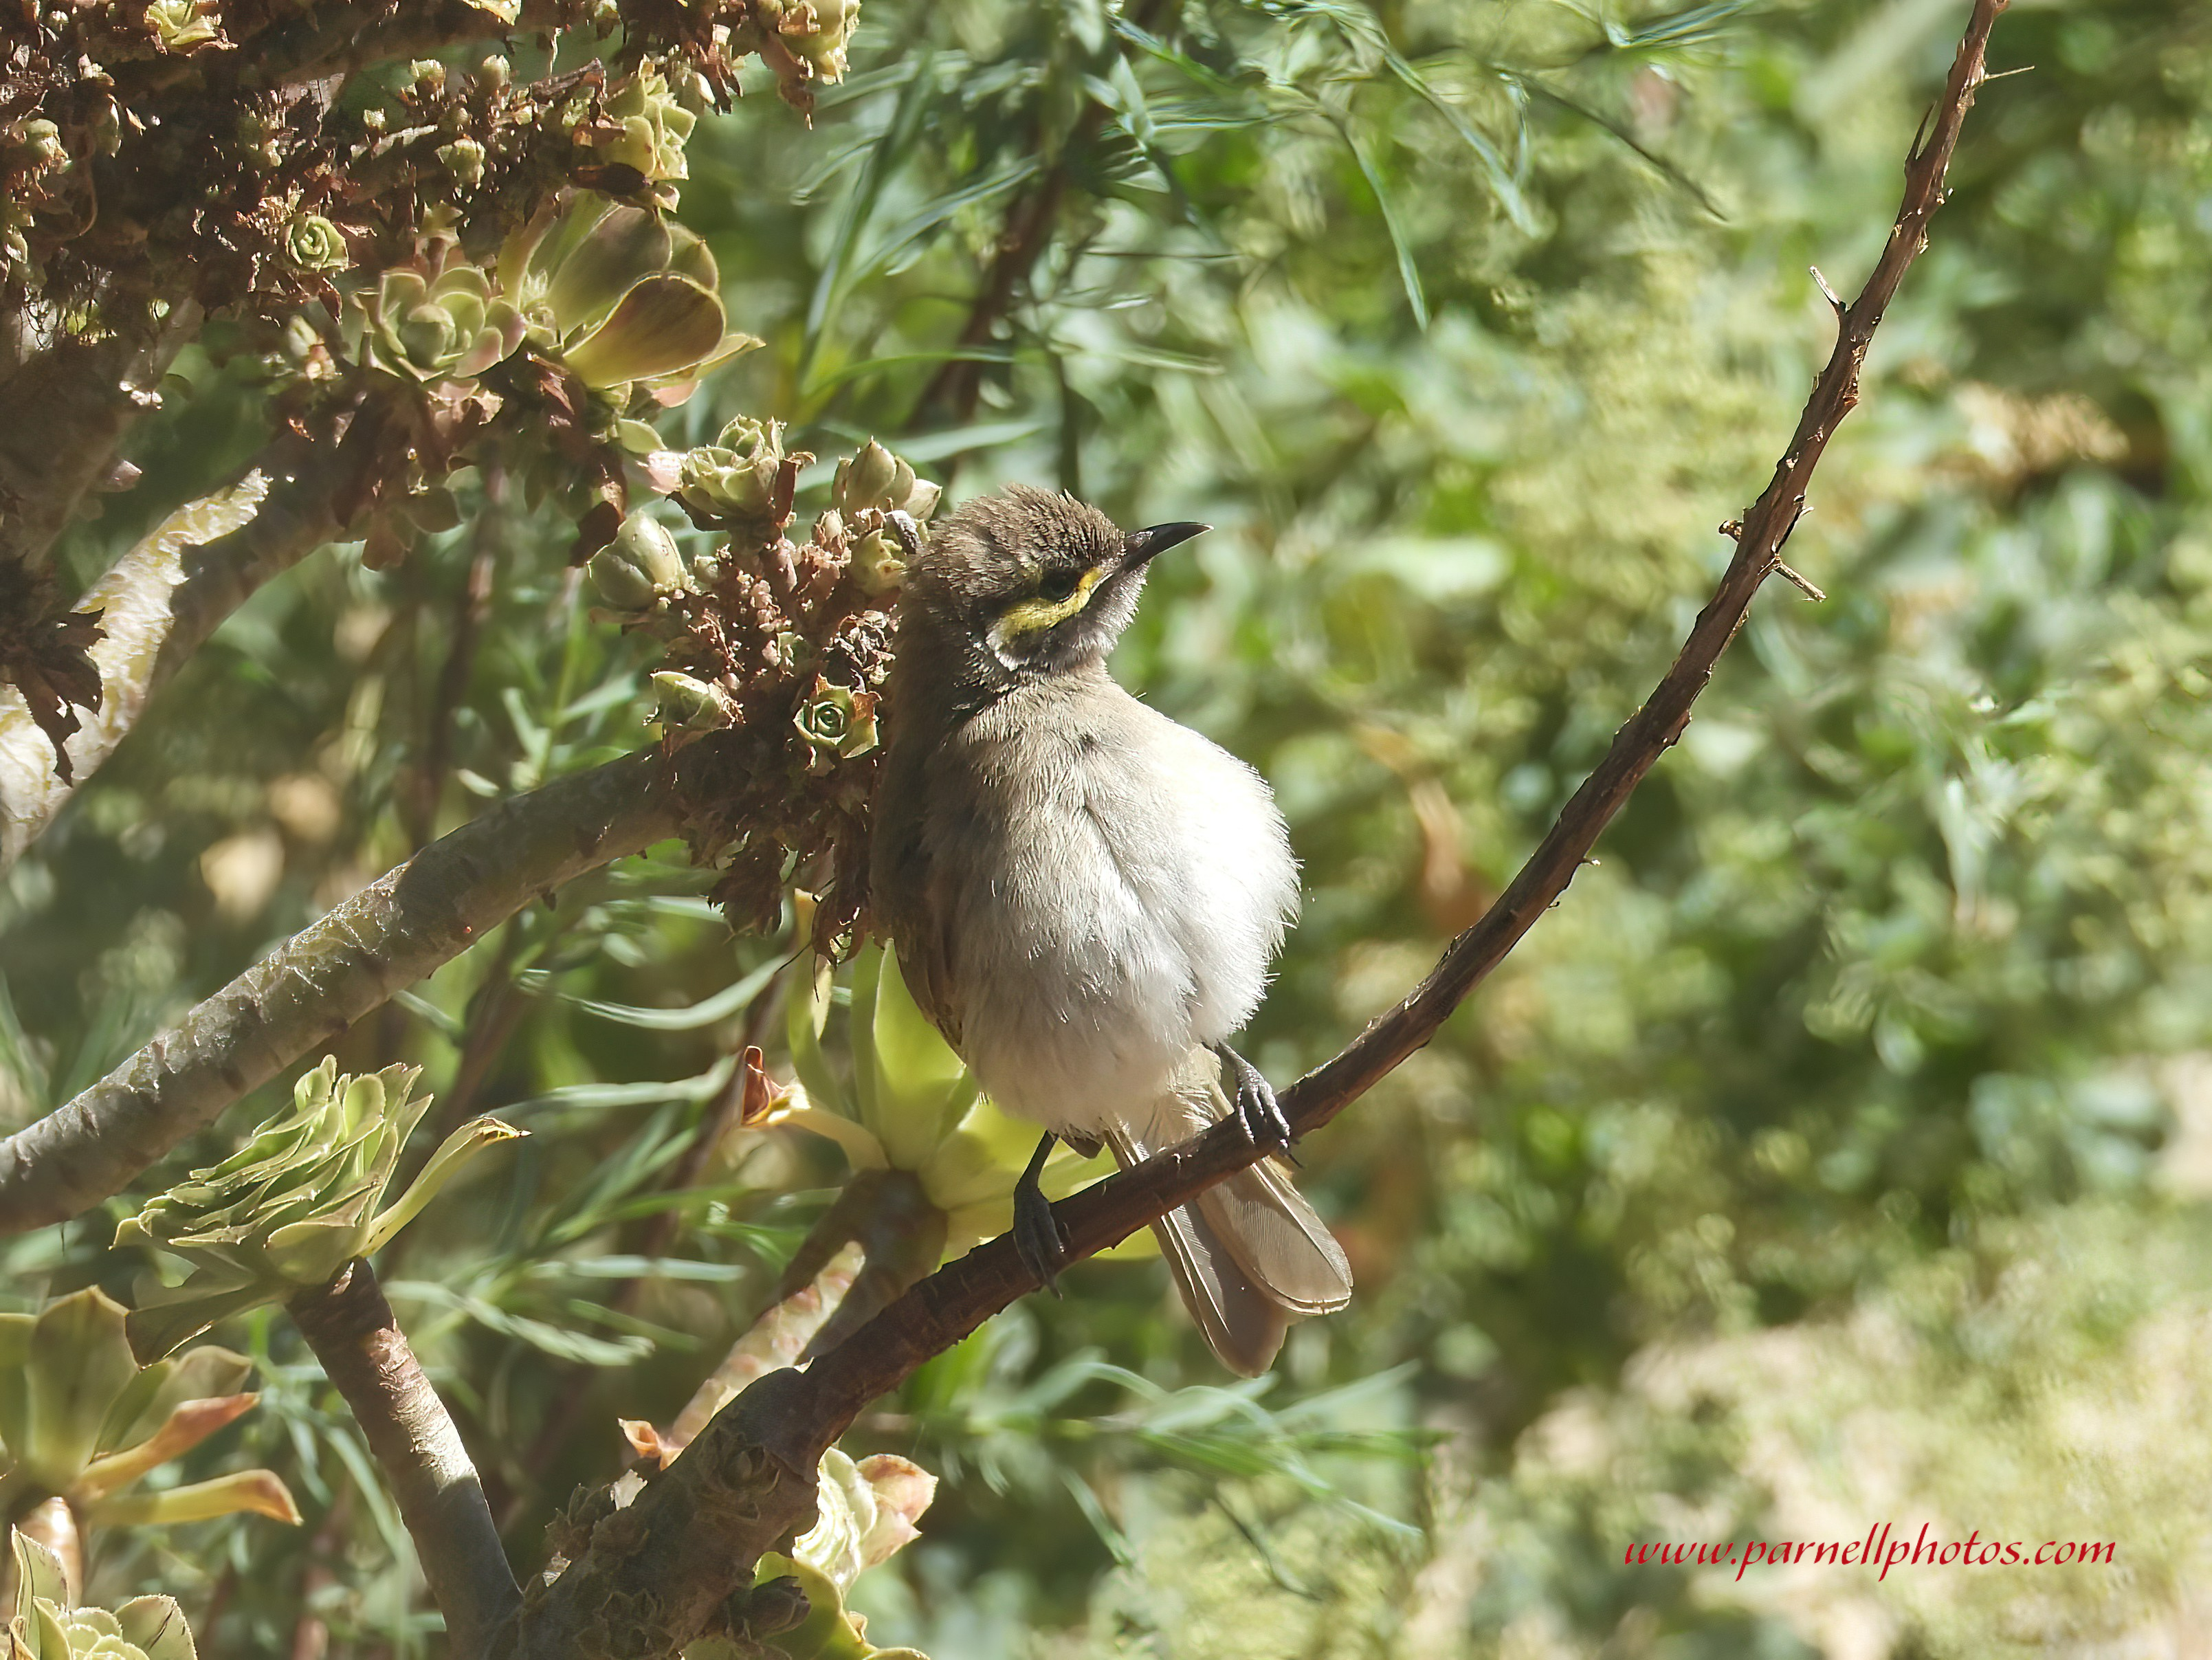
620	296
296	1204
453	326
184	26
46	1623
312	243
836	721
734	477
82	1422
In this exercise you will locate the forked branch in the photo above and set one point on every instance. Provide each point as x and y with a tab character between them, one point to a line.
746	1477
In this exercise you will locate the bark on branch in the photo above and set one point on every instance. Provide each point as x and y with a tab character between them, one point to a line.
746	1478
158	608
64	408
367	1358
395	930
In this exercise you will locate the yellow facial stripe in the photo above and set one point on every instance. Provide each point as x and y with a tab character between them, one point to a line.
1028	617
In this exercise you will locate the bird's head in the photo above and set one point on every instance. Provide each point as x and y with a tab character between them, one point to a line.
1031	582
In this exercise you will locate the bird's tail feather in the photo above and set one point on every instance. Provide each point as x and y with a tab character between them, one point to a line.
1248	1254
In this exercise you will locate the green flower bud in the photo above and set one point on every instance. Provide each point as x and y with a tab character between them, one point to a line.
817	32
464	160
874	478
642	565
43	139
863	478
494	72
312	243
877	563
685	707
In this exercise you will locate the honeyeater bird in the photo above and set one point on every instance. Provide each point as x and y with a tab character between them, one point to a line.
1084	897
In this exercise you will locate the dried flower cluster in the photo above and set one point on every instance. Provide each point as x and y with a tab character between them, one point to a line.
223	151
777	652
418	259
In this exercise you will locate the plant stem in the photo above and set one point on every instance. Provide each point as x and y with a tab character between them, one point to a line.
352	1330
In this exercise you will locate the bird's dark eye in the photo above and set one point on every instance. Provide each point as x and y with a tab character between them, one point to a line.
1060	585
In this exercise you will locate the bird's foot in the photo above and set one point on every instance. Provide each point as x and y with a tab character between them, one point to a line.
1039	1239
1257	1110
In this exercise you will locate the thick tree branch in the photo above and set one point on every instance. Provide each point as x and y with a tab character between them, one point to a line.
63	410
394	932
365	1354
746	1473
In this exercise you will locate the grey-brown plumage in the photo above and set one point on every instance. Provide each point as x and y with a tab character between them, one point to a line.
1085	897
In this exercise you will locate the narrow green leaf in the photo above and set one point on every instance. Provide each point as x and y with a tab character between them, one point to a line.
461	1145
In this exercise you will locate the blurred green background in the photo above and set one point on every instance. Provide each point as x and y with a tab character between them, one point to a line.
1835	1153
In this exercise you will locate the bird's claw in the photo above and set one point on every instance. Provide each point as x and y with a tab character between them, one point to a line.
1039	1239
1257	1110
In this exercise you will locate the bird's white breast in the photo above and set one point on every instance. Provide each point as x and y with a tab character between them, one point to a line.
1117	886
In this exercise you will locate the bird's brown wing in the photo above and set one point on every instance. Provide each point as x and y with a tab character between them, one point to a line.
913	898
924	951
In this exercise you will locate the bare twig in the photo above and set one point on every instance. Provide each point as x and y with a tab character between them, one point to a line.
392	934
364	1353
748	1473
952	391
426	784
777	1339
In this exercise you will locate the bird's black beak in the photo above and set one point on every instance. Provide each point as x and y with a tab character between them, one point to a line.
1140	546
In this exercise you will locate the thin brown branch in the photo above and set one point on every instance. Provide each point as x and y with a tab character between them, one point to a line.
952	391
747	1473
365	1355
426	782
